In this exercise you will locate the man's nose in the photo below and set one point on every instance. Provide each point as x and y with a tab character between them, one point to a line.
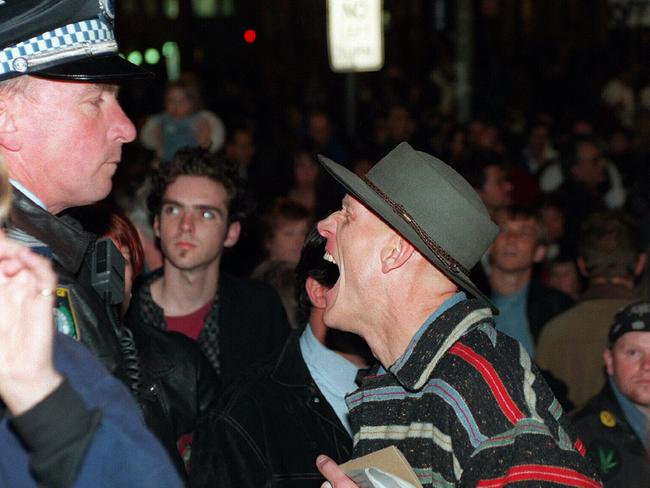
645	362
326	226
123	128
187	222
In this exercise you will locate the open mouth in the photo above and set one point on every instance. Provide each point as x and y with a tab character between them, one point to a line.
329	258
332	293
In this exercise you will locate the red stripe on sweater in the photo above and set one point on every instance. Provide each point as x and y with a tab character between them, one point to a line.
580	447
536	472
483	366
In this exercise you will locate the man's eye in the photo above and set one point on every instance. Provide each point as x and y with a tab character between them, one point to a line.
170	210
207	214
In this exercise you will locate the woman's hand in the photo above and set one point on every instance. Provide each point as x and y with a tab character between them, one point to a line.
27	288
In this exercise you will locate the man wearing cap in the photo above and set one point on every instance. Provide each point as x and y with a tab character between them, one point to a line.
61	134
463	402
614	423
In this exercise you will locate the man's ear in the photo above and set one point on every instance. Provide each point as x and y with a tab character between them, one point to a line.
7	128
609	361
640	264
582	267
540	253
156	227
316	292
232	235
396	253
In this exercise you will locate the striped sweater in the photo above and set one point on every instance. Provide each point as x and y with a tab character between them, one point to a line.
467	407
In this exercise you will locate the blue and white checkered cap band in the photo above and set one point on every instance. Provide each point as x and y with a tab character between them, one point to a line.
81	39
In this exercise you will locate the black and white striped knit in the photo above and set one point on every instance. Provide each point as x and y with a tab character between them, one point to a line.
467	407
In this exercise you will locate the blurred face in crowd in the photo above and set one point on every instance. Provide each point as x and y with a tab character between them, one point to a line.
619	143
496	190
563	276
63	140
553	220
319	128
305	170
242	148
177	103
287	240
458	143
193	223
590	168
399	123
538	139
628	364
517	246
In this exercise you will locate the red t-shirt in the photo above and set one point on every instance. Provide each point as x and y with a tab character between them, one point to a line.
191	324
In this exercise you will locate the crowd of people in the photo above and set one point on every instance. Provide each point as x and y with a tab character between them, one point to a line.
475	294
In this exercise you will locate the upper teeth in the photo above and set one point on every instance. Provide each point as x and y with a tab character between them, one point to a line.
328	257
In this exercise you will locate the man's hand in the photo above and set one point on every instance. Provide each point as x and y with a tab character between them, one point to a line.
27	287
334	475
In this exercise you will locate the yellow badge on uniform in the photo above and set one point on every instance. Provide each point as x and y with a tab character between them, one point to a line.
607	419
64	315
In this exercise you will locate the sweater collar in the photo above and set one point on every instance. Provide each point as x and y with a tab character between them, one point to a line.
434	339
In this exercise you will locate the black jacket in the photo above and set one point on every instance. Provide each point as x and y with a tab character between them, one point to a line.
177	384
615	450
542	304
68	245
269	430
247	324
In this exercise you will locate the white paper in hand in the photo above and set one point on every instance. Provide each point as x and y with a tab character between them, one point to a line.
376	478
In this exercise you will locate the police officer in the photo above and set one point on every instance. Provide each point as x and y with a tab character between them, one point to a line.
614	424
61	136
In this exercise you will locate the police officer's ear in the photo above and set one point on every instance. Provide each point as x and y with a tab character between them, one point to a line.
396	252
7	126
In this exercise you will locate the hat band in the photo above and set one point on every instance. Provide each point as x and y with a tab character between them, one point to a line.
453	265
84	38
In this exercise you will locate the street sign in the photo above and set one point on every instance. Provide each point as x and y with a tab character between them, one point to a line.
355	35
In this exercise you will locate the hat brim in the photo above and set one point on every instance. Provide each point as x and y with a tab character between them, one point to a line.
97	69
362	192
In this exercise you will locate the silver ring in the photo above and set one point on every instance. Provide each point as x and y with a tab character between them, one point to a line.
46	292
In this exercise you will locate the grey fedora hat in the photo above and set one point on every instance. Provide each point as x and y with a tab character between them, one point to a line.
430	205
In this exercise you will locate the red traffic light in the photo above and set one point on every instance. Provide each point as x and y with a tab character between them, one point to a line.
250	35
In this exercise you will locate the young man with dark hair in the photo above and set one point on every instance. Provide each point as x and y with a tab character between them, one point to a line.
486	173
270	428
197	203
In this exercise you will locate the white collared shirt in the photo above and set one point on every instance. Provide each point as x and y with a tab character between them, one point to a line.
19	186
333	374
